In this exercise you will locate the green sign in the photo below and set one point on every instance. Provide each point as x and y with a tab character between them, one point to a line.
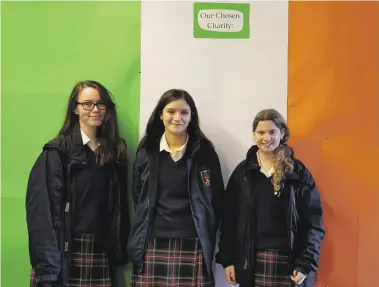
221	20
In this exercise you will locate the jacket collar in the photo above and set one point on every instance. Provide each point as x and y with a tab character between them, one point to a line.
71	146
193	145
75	151
163	146
252	161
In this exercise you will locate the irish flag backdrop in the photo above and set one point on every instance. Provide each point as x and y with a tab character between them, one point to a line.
316	62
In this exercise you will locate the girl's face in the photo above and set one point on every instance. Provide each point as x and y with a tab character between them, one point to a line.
176	117
267	136
90	115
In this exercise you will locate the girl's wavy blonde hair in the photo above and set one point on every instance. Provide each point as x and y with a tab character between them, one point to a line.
283	160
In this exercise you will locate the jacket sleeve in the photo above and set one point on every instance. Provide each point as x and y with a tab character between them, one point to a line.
228	227
218	189
311	231
44	253
124	212
139	166
124	197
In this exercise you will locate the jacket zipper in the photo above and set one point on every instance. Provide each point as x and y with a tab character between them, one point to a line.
247	259
291	209
118	219
189	166
147	231
67	229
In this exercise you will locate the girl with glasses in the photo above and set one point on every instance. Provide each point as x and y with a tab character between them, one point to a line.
76	201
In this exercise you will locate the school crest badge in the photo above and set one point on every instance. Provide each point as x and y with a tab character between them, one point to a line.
206	177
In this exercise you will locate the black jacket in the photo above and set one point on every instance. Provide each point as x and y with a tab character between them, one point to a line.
304	221
50	206
205	199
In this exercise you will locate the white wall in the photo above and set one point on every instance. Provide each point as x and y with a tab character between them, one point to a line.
230	80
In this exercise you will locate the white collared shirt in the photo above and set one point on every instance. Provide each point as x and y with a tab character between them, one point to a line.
175	155
268	173
88	141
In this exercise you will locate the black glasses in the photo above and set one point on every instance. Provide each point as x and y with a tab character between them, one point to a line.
89	106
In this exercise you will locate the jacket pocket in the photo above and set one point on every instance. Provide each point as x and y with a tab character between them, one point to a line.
242	274
138	233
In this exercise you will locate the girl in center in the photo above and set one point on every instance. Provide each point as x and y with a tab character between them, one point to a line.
177	190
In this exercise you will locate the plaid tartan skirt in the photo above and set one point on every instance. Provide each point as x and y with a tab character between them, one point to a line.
173	263
272	269
89	264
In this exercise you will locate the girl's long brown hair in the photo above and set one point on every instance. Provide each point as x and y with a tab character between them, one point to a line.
283	160
112	147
